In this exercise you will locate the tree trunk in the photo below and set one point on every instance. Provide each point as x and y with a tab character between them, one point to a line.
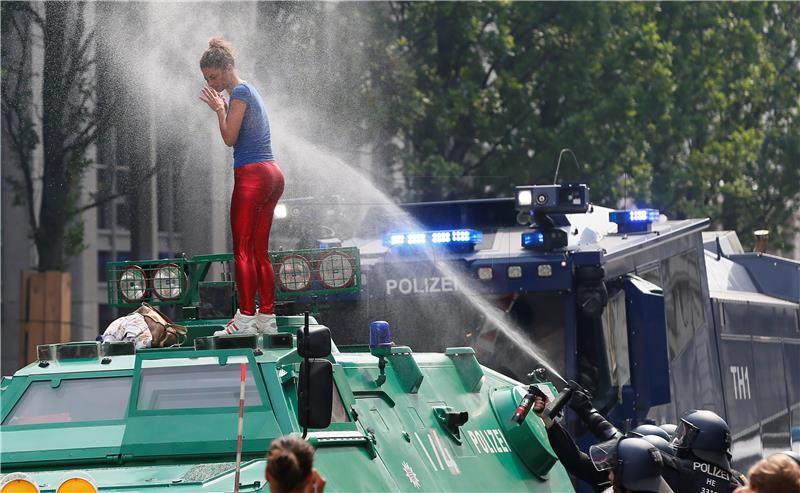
56	81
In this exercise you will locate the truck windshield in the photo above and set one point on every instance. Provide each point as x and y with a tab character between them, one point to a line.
78	399
196	386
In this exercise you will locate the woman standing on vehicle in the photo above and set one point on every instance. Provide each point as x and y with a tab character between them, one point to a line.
258	184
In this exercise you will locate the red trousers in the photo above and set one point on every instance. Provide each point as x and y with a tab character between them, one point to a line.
256	190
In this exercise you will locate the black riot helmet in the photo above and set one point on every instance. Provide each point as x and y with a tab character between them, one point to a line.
640	466
660	444
644	430
670	429
636	463
706	436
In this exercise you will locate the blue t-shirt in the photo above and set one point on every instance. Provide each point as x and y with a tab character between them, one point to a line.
254	143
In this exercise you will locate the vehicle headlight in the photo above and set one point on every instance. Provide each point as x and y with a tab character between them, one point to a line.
18	483
168	282
524	197
77	485
514	271
294	273
281	211
336	270
133	284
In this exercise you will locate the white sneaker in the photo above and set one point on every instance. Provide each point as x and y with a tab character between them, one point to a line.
239	325
266	323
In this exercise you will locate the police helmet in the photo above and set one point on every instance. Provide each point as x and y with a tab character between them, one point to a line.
706	436
670	429
636	463
644	430
639	466
660	444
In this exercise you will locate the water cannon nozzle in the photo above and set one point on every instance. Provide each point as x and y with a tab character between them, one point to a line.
557	406
538	375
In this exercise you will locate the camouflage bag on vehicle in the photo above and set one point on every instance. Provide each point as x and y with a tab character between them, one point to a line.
165	333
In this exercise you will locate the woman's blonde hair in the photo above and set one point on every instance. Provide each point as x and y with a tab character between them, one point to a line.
776	473
218	55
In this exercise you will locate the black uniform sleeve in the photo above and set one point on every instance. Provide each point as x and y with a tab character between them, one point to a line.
575	462
737	478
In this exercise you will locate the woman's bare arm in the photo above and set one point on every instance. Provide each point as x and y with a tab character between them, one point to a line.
230	124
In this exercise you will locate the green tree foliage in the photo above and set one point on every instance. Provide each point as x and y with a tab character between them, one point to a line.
732	148
688	107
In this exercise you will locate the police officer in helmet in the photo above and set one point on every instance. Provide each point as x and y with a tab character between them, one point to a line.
670	429
646	429
662	445
702	456
635	465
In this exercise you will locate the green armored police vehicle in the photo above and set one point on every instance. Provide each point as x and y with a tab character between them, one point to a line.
105	416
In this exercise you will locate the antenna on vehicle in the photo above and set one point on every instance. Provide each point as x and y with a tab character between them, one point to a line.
558	165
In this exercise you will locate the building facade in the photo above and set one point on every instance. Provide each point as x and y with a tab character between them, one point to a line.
162	207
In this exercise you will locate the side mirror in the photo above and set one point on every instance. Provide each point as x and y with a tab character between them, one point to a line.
318	344
315	392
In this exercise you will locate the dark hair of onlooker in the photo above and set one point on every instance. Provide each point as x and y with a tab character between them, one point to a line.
778	472
289	462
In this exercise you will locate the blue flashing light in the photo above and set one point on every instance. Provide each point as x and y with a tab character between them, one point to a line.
533	239
545	240
634	221
451	237
440	237
416	238
634	216
467	236
379	334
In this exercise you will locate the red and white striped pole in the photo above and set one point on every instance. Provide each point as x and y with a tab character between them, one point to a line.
239	433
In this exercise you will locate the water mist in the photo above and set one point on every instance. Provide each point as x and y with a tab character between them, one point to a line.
153	54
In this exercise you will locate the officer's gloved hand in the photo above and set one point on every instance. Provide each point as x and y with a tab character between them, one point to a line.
581	404
539	405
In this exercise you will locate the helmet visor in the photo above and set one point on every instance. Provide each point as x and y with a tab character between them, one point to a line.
604	454
685	435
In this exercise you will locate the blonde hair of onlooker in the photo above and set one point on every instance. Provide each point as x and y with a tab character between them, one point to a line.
218	55
776	473
289	462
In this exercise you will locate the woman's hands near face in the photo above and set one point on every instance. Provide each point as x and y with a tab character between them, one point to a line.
213	99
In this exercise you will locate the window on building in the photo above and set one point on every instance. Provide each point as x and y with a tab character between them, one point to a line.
111	180
104	257
106	315
166	184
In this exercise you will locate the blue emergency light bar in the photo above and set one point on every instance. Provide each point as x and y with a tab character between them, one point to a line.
634	221
544	240
533	240
452	237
